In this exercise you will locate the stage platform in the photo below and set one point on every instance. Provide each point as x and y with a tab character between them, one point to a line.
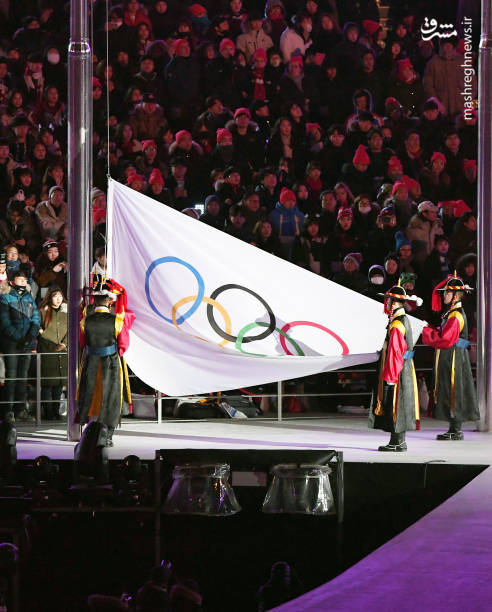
344	433
441	563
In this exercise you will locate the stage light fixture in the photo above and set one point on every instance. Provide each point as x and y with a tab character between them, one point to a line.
8	450
43	480
133	481
91	454
91	465
201	490
300	489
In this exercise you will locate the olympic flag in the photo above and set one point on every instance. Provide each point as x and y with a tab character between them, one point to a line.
213	313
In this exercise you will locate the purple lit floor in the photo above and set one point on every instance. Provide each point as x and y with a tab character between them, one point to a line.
341	432
441	563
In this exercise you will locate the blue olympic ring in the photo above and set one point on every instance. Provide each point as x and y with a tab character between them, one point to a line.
199	294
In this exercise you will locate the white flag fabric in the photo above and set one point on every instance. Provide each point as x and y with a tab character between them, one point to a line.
213	313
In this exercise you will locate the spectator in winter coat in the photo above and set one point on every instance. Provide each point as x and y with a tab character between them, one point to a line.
407	88
412	156
296	39
268	189
468	185
287	220
148	81
236	224
211	215
357	174
381	240
265	239
329	210
147	117
309	250
182	76
407	262
52	214
435	181
51	268
349	52
423	229
342	240
352	277
246	138
464	239
254	36
334	155
432	125
19	326
444	78
437	266
375	281
274	23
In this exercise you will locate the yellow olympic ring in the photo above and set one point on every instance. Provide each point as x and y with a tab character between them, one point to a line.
207	300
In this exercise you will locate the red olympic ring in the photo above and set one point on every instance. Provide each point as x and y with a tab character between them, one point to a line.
287	326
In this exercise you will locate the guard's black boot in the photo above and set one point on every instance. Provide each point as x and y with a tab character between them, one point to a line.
396	444
454	432
109	439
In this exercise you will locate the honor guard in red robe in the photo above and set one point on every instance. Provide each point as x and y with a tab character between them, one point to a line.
454	397
395	404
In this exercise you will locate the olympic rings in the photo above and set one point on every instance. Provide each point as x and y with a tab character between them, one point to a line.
220	308
227	336
246	328
287	326
211	302
199	296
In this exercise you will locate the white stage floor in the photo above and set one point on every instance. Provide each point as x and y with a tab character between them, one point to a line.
345	433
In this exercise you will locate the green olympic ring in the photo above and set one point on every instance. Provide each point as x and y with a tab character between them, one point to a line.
247	328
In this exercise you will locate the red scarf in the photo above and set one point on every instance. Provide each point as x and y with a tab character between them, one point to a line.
259	92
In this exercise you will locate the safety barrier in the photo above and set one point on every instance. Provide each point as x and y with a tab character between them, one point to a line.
279	395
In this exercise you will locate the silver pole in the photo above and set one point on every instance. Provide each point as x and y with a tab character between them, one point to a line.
79	180
484	341
279	400
38	389
159	407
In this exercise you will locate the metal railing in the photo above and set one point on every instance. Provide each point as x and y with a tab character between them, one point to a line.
279	395
37	377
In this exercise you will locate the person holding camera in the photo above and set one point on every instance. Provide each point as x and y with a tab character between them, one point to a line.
19	327
51	268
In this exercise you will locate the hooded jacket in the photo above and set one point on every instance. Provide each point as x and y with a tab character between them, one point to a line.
286	221
19	316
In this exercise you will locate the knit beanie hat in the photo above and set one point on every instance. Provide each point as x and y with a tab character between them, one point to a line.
398	185
227	42
361	156
346	211
156	177
180	135
355	257
287	195
401	240
221	134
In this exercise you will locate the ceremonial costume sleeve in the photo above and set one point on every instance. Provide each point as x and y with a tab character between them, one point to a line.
447	336
124	316
397	346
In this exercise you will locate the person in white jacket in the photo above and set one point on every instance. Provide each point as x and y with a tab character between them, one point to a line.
254	36
296	39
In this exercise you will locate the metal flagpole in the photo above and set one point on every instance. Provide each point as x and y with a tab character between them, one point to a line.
484	328
79	181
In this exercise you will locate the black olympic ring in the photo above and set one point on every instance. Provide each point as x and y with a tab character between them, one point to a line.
210	315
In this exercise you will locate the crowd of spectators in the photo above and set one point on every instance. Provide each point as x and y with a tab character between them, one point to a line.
303	127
